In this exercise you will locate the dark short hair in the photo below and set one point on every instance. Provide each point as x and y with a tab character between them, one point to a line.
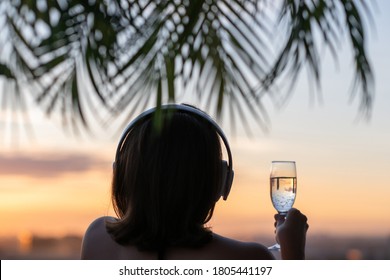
165	184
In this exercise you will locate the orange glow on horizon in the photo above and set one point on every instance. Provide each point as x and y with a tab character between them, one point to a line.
53	206
67	204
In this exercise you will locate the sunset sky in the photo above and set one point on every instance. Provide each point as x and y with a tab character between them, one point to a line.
56	183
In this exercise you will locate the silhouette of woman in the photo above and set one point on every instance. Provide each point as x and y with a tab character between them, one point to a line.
168	175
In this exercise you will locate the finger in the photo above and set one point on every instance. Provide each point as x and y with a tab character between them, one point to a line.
293	212
278	223
279	220
279	217
296	215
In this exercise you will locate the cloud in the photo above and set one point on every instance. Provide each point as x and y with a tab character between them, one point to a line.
50	165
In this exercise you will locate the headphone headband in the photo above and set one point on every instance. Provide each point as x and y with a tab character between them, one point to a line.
187	109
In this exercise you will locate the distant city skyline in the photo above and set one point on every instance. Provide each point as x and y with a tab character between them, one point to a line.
319	247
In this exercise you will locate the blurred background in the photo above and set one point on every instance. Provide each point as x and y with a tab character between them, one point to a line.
53	183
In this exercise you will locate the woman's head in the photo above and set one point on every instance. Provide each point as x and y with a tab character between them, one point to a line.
166	181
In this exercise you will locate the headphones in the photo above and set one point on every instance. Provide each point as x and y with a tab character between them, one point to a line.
227	167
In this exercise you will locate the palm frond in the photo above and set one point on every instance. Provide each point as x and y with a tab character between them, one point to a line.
49	52
315	23
129	52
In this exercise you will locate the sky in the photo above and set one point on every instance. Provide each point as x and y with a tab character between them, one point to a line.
56	183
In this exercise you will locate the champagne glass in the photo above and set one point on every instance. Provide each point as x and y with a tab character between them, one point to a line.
283	183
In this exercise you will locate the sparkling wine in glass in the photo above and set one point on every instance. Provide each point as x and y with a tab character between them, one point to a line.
283	188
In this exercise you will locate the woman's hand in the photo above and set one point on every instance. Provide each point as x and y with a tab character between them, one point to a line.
291	234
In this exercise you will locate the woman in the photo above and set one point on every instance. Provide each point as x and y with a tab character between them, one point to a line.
168	176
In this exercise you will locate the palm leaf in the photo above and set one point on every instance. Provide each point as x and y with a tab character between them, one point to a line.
130	52
304	19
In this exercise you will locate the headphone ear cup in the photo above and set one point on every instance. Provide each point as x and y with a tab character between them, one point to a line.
226	180
224	173
228	185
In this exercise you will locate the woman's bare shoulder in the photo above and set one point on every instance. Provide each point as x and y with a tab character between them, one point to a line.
96	240
98	244
241	250
98	227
